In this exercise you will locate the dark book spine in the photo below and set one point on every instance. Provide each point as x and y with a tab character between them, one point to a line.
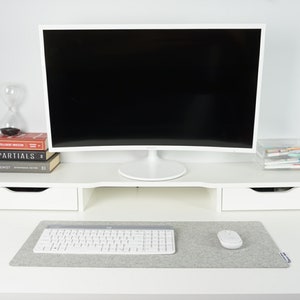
22	155
30	166
23	167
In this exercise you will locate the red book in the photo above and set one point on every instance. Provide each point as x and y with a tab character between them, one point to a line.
24	141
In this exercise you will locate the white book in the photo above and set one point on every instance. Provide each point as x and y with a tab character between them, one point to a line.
289	160
283	166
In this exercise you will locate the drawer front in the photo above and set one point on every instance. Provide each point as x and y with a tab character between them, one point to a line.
39	199
250	199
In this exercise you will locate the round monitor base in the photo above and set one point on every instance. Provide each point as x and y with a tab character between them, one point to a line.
152	168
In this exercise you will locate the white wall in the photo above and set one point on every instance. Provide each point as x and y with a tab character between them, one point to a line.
280	106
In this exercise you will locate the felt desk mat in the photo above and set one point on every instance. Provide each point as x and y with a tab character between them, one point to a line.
197	246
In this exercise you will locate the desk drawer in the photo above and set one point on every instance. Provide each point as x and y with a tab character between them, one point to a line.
39	198
260	198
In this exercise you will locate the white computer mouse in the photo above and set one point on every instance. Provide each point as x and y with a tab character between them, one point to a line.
230	239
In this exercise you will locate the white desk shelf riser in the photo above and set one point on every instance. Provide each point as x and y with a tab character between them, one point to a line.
229	186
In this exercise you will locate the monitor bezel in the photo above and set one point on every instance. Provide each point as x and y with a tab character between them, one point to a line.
251	149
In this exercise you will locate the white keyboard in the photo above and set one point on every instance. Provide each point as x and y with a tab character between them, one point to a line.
60	239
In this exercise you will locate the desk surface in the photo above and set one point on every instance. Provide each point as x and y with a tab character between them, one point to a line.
148	204
210	175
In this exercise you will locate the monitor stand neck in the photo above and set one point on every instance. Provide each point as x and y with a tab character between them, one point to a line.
152	168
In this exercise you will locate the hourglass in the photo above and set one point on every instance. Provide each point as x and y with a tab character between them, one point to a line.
12	95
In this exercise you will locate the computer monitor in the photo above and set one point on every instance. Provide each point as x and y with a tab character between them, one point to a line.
152	87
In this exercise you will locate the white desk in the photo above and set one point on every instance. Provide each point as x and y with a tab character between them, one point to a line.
155	204
80	180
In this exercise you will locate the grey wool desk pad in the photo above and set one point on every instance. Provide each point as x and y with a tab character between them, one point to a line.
197	246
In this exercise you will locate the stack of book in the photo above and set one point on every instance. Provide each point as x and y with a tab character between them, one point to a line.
279	154
27	153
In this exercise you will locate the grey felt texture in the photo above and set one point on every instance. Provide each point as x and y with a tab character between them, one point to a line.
197	246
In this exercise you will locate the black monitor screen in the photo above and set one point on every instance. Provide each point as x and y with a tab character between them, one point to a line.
168	87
